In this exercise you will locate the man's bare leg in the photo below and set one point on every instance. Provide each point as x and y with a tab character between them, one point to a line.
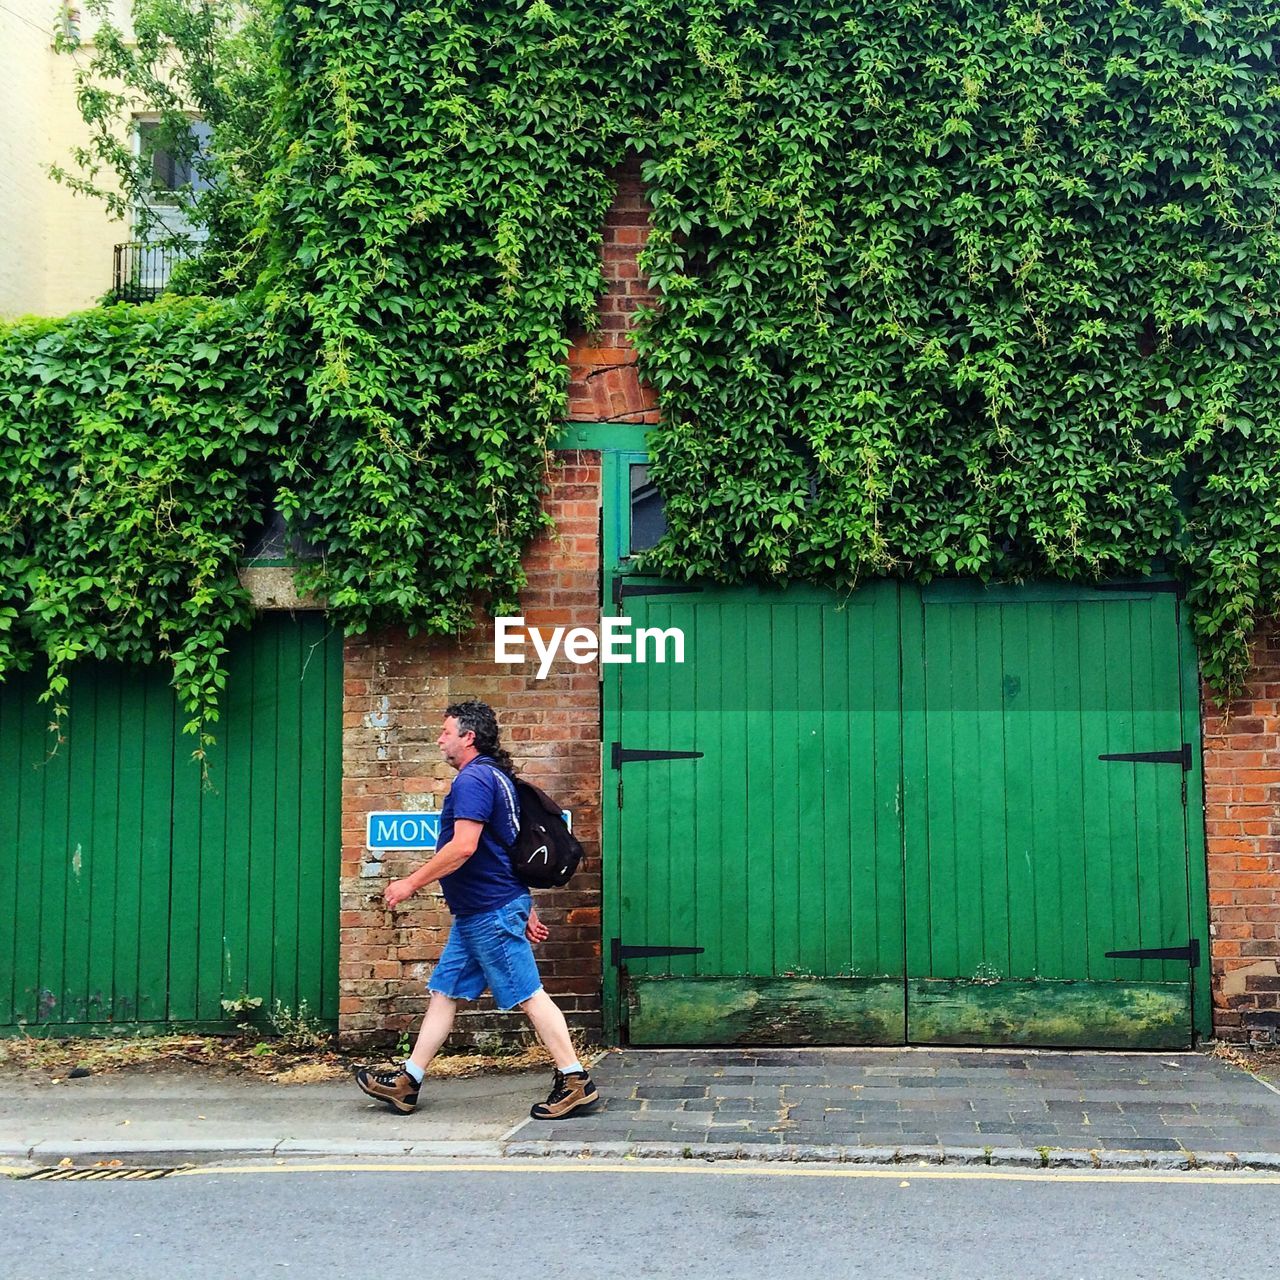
572	1089
551	1029
437	1022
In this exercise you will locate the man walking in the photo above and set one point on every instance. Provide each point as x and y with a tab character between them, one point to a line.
494	920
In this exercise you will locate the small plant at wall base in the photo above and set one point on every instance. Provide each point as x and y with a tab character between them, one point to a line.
950	289
297	1029
243	1008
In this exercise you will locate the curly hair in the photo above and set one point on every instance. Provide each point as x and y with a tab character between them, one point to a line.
478	718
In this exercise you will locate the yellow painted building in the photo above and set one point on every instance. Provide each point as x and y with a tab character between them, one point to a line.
55	246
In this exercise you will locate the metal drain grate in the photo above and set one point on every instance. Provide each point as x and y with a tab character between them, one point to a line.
95	1175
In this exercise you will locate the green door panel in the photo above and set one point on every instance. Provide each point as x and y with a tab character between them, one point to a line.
777	850
1027	857
135	892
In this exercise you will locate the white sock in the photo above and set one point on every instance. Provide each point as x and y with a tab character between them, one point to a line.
575	1065
414	1070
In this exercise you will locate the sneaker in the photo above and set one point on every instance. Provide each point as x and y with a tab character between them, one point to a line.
398	1089
569	1093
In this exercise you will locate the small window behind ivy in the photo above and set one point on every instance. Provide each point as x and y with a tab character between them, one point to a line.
648	514
273	542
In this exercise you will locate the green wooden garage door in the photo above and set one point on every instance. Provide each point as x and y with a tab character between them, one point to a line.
1029	856
887	818
770	842
132	893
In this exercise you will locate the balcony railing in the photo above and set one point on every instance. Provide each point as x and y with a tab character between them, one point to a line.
141	271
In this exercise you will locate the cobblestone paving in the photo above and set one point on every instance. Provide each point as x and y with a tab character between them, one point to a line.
1180	1102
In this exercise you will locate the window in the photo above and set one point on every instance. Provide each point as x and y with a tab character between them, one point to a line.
173	163
648	513
163	213
273	541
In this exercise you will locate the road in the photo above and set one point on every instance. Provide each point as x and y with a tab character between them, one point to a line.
640	1222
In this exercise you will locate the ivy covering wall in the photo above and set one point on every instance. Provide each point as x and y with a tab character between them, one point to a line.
946	289
136	452
975	289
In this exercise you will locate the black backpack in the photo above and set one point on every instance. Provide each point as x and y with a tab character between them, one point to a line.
546	853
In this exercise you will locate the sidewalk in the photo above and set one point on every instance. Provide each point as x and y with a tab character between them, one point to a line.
181	1117
1021	1108
1026	1108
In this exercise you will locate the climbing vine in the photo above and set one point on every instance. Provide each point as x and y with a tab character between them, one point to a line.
135	448
953	288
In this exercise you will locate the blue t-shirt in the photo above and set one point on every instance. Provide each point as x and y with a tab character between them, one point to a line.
482	793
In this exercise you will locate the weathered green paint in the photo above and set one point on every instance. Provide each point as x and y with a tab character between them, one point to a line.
1016	857
765	1011
135	893
1193	816
615	555
1095	1015
164	1027
624	436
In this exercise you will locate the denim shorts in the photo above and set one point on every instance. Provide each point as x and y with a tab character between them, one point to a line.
489	950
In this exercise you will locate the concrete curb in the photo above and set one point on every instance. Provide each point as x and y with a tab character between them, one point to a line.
212	1151
968	1157
47	1153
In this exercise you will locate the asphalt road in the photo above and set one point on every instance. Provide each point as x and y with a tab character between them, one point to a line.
642	1222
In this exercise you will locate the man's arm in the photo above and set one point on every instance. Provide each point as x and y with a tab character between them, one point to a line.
445	861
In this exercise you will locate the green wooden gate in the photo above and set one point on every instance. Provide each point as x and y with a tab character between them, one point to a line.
1030	856
132	892
892	817
770	840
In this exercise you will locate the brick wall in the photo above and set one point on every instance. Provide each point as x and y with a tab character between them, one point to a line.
395	691
397	687
1242	827
603	383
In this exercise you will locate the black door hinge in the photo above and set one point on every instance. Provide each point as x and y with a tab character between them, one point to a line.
1182	757
624	755
1190	953
618	953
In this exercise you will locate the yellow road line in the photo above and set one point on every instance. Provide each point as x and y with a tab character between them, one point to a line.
902	1173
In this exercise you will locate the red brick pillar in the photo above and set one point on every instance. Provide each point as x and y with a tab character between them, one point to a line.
1242	829
396	689
603	383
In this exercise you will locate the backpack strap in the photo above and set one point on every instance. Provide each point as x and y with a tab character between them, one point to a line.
508	788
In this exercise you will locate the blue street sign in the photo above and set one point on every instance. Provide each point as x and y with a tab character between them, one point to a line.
396	830
403	830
